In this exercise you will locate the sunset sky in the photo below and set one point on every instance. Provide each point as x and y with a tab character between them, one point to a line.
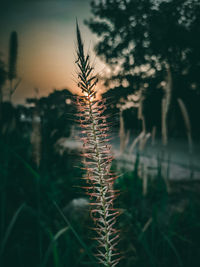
46	38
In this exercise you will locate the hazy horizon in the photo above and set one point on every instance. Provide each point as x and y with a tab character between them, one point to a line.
46	43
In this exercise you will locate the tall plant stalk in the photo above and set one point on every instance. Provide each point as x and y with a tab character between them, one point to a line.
166	101
12	64
97	159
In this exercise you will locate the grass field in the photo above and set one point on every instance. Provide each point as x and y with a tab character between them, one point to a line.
42	226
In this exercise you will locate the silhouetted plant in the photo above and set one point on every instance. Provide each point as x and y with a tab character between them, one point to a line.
12	63
12	71
3	76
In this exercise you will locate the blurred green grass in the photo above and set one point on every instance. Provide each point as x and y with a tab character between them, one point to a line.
158	229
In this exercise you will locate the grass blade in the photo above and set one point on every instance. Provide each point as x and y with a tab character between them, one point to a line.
171	245
89	253
24	162
10	227
51	245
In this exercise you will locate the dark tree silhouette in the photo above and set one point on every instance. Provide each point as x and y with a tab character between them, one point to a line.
55	114
146	42
140	36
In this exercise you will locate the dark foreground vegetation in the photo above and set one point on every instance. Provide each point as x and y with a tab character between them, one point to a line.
44	214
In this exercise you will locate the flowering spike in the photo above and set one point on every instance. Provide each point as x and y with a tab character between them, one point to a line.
97	159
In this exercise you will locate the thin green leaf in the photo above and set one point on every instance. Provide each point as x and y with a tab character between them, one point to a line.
26	165
174	249
51	245
75	233
10	227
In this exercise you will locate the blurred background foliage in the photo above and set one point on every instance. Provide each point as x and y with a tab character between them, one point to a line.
144	42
